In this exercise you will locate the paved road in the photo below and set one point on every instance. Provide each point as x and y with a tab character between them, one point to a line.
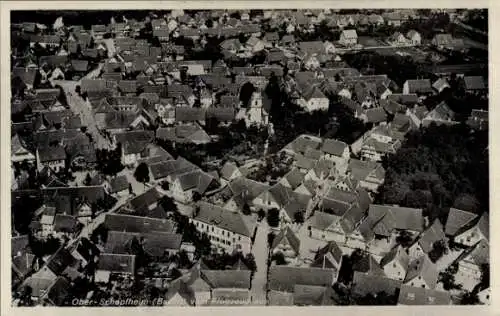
260	252
83	108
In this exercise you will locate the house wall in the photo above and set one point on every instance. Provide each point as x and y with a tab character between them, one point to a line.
371	154
327	235
202	298
347	41
285	248
406	88
318	104
180	195
23	155
223	238
470	237
418	282
415	251
370	185
102	276
265	202
394	270
56	165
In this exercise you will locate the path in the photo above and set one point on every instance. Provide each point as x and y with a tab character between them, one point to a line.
83	108
260	252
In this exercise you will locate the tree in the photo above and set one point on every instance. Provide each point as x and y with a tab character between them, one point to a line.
100	234
469	298
250	262
141	173
380	298
196	196
298	217
261	214
438	250
279	258
246	209
404	238
88	179
447	277
168	204
273	217
165	186
485	275
270	239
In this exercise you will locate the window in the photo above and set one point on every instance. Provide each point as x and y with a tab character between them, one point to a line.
411	296
234	239
212	229
431	299
394	265
239	238
423	286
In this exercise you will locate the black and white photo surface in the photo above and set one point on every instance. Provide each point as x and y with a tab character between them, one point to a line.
249	157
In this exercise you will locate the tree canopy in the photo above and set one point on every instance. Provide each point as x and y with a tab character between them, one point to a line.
141	173
437	167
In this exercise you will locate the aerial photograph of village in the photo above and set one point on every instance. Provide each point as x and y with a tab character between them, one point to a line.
249	157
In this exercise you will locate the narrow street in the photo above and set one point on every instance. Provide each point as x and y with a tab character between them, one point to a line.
260	252
83	108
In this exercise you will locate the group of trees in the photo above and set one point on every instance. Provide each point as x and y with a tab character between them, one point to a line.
273	217
226	261
109	161
234	140
438	168
274	168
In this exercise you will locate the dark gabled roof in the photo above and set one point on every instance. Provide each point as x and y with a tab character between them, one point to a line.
419	86
145	200
312	47
80	65
222	218
406	99
127	86
328	257
474	83
397	254
27	75
51	153
19	244
116	263
222	114
376	115
184	114
333	147
65	223
479	254
364	284
385	218
137	224
287	236
53	60
93	85
410	295
284	278
432	234
422	267
60	260
227	279
118	184
154	244
311	295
